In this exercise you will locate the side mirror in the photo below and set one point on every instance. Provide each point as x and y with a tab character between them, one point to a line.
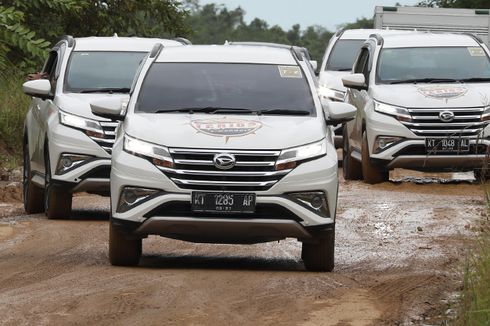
355	81
338	112
108	107
38	88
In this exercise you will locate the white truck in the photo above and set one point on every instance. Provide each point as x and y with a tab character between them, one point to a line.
449	20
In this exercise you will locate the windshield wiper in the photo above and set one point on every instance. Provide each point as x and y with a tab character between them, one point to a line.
109	90
475	79
208	109
283	112
425	80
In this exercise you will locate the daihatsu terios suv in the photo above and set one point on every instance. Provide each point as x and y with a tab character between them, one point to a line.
423	103
225	144
67	149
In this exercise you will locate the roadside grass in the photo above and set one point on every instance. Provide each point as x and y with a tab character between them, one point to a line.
13	107
475	308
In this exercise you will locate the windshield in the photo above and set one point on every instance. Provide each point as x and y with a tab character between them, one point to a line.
432	63
174	86
343	55
89	71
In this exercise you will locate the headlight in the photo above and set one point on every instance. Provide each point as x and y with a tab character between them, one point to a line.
158	155
91	127
331	94
290	158
131	197
399	113
486	114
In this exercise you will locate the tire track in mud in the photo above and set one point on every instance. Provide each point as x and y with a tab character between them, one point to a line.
399	248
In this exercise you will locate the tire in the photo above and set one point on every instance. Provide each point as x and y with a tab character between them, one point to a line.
123	251
351	168
482	175
318	256
33	195
57	201
370	173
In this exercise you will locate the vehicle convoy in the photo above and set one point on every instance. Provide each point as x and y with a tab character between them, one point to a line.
424	19
423	103
67	149
225	144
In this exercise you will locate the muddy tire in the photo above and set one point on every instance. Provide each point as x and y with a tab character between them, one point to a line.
33	195
57	201
318	256
370	173
351	168
482	175
123	251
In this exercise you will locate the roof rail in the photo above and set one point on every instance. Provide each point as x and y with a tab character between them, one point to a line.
269	44
379	38
69	39
183	41
297	52
157	48
475	37
340	32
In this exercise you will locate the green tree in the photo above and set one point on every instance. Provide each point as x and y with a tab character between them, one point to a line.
477	4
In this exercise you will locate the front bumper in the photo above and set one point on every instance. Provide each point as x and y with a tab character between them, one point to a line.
277	216
91	175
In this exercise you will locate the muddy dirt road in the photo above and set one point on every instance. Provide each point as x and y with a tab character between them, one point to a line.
400	248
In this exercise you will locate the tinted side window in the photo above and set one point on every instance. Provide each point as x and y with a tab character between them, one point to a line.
362	64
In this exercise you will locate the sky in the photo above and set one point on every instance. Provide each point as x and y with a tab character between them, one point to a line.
326	13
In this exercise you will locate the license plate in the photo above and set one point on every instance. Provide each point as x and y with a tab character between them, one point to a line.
223	202
448	145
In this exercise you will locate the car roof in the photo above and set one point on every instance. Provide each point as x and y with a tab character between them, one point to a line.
427	39
115	43
363	34
261	54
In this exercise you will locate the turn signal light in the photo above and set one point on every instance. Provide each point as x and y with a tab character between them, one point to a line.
286	166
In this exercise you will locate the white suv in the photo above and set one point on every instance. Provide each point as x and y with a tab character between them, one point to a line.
423	103
226	144
67	149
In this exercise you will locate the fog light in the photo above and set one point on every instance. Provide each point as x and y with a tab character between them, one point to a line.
383	142
68	162
315	201
132	196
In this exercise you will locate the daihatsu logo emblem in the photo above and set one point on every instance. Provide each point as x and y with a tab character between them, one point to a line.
224	161
446	116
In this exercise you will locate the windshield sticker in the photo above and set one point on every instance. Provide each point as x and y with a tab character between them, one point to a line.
443	92
290	72
476	52
226	127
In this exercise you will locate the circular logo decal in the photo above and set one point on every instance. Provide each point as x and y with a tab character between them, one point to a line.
226	127
446	116
443	92
224	161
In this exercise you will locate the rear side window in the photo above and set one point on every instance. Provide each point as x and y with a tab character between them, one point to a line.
343	55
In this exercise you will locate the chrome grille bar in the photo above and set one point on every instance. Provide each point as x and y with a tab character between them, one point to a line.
226	173
224	183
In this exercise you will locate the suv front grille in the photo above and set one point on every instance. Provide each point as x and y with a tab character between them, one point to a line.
426	122
195	169
107	142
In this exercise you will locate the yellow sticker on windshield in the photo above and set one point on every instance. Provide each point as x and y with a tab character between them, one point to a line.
290	72
476	52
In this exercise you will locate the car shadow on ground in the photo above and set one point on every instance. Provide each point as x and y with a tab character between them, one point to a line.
221	263
89	215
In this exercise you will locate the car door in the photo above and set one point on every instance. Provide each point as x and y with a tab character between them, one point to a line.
41	111
359	98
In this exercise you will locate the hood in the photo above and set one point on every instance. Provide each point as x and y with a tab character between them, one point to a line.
79	104
433	95
333	79
220	131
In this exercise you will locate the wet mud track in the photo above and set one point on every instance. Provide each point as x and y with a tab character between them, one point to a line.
399	256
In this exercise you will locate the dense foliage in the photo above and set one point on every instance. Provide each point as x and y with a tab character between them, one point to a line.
29	27
477	4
